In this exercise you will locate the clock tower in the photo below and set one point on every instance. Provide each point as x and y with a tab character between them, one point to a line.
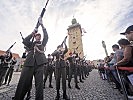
75	38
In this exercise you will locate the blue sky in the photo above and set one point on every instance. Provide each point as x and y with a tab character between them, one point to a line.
102	19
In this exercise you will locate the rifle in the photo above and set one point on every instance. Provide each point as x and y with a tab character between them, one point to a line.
80	53
84	57
41	15
25	47
22	36
10	47
104	46
64	41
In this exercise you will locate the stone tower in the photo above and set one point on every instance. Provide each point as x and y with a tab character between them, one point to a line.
75	38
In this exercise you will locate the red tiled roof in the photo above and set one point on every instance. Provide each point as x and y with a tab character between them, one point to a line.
14	54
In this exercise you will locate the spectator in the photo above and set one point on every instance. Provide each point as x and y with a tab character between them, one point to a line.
128	53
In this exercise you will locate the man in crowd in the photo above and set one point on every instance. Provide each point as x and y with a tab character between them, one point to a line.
117	57
129	33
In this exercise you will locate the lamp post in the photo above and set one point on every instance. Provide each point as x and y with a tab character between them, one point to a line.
104	46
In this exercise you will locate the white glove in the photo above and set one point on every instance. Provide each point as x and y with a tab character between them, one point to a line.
40	20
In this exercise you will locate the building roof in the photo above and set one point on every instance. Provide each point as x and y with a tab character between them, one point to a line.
14	54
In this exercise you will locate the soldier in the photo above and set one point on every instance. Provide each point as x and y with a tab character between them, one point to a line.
79	69
60	70
49	71
10	71
85	69
5	60
33	65
67	69
24	57
82	69
72	70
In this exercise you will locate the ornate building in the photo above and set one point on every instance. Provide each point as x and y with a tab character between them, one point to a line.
75	38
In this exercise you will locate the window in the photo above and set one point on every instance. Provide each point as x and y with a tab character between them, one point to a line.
74	42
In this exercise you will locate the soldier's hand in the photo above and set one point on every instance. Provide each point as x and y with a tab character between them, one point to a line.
35	31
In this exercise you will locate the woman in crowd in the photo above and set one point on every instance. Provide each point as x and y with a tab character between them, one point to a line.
128	53
127	61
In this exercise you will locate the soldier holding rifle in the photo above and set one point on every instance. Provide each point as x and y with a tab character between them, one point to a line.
5	60
4	65
9	73
73	70
48	71
60	69
33	65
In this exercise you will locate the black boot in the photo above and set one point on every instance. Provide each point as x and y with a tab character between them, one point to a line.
28	96
50	86
81	81
77	87
86	76
69	86
8	84
13	98
44	86
83	78
4	83
65	96
58	95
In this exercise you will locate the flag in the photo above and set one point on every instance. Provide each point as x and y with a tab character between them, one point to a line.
84	30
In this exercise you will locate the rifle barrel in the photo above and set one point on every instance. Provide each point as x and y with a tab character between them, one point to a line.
46	4
10	47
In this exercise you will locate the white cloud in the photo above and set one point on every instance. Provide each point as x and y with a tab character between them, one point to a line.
102	19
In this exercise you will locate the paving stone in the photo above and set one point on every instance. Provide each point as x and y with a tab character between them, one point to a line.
93	88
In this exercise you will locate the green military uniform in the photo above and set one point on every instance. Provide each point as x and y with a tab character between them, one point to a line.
72	70
4	66
10	71
49	69
60	70
33	66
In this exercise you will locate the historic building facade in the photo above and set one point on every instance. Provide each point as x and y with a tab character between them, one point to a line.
75	38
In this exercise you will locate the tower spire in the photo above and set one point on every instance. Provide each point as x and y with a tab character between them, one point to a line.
74	21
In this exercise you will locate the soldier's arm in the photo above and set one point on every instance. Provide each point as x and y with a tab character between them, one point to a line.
66	49
27	41
10	56
45	36
54	53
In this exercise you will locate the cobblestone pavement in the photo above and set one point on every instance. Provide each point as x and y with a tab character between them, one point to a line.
93	88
